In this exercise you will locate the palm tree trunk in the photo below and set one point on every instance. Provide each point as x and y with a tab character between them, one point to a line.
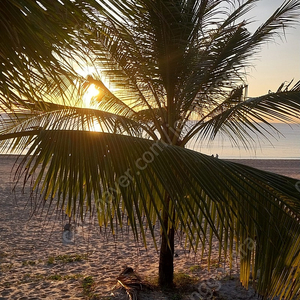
166	266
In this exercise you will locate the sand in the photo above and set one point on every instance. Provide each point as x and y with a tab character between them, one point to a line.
289	167
35	263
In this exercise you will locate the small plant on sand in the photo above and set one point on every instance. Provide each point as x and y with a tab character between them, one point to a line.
37	277
55	277
28	263
73	276
50	260
184	281
88	285
195	268
6	267
152	280
66	258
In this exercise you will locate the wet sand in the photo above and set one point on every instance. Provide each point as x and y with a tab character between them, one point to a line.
286	167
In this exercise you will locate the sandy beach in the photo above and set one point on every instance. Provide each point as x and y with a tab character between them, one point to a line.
288	167
35	263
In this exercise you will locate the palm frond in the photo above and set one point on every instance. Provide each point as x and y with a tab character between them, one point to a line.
85	169
69	118
235	114
118	54
107	101
228	49
174	60
21	27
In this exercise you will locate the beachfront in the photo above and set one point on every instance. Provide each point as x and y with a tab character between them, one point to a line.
36	264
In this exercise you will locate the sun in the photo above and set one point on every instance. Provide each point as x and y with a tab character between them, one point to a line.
88	95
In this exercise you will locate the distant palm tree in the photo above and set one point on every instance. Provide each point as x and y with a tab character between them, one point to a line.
176	73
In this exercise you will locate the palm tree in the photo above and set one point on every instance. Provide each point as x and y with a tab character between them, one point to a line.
176	72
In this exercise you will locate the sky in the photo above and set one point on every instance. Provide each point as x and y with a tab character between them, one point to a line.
278	61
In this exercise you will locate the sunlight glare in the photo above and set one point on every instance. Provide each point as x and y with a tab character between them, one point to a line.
88	95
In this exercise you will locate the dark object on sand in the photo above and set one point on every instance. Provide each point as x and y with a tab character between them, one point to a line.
67	227
131	283
126	271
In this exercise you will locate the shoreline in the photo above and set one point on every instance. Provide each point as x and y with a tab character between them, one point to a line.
285	167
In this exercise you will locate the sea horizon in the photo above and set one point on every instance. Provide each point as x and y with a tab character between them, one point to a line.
284	145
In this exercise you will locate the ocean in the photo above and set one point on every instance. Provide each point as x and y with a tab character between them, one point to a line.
285	145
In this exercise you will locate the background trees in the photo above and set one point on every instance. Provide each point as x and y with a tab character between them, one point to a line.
175	71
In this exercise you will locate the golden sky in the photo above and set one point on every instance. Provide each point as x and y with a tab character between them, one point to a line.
279	60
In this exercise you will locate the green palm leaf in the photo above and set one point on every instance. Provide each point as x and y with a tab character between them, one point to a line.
177	71
234	115
84	169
